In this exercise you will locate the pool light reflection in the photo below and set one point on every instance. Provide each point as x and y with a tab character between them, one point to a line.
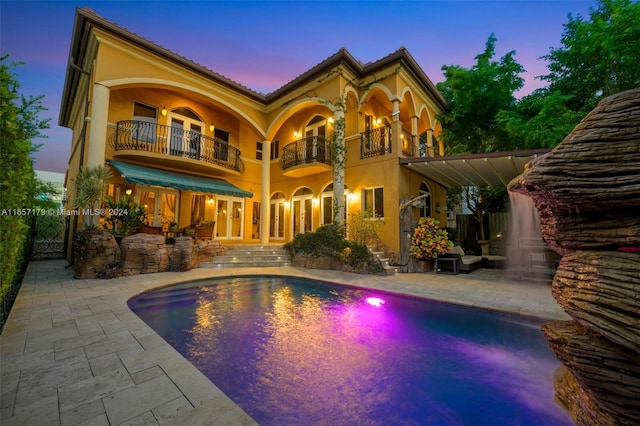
375	301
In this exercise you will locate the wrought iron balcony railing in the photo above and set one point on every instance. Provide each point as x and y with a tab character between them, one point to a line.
156	138
375	142
313	149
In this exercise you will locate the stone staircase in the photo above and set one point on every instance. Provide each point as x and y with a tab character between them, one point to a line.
381	256
250	255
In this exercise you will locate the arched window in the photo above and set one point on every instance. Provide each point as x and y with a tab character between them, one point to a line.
326	204
425	211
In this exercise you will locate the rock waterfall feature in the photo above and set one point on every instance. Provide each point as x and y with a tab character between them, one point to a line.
587	192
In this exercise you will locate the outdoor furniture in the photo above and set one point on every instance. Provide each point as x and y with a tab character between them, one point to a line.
146	229
465	262
447	265
203	231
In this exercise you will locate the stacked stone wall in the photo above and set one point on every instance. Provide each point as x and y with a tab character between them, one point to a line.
587	192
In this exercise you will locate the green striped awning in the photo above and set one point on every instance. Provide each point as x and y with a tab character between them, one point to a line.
150	176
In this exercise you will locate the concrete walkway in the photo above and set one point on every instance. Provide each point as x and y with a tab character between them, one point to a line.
73	353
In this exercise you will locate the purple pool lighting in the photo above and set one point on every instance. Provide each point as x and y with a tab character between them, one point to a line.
293	351
375	301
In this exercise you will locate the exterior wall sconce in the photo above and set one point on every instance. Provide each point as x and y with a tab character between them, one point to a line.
378	122
210	200
212	128
440	209
129	191
163	111
316	201
296	134
330	120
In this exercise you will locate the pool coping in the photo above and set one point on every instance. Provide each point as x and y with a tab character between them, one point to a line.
72	351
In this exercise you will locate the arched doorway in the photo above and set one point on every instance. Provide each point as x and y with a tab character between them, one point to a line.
276	214
302	211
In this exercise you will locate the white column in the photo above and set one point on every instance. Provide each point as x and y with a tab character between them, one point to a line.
396	127
265	190
98	131
415	138
338	166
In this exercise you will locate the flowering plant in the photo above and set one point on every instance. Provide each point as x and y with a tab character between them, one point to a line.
429	240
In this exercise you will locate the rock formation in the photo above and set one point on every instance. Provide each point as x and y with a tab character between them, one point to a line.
144	254
98	252
587	192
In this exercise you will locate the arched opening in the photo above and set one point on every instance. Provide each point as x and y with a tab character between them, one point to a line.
302	211
425	210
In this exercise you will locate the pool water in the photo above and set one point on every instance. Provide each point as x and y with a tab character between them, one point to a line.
293	351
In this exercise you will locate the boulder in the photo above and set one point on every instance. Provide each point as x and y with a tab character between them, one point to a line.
144	254
181	256
207	249
599	289
99	252
607	373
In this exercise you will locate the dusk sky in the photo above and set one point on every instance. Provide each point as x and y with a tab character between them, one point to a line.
265	44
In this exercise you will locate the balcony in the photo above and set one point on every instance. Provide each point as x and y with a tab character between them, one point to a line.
375	142
306	156
140	138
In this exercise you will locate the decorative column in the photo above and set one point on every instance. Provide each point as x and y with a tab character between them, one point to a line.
429	147
338	157
98	130
265	189
415	139
396	127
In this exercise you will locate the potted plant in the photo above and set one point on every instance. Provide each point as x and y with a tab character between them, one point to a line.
124	217
429	241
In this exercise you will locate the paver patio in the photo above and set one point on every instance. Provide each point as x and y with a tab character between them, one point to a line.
73	353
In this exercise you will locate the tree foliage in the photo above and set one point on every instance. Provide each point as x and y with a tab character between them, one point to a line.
598	57
19	125
475	96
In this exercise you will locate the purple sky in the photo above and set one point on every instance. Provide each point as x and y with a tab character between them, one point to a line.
263	45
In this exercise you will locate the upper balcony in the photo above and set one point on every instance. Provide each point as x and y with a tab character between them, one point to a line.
375	142
379	141
166	144
306	156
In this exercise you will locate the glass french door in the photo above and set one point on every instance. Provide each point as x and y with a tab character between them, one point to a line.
161	206
302	214
229	218
315	135
276	213
185	138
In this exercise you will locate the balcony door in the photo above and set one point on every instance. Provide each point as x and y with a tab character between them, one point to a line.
185	135
315	134
302	211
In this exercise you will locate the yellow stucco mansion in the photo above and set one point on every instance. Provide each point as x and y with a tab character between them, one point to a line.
194	146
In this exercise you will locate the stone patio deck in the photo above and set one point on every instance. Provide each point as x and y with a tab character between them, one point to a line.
73	353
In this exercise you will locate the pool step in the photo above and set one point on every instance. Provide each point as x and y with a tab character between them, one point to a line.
250	255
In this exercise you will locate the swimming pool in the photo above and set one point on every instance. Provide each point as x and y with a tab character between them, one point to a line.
290	350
